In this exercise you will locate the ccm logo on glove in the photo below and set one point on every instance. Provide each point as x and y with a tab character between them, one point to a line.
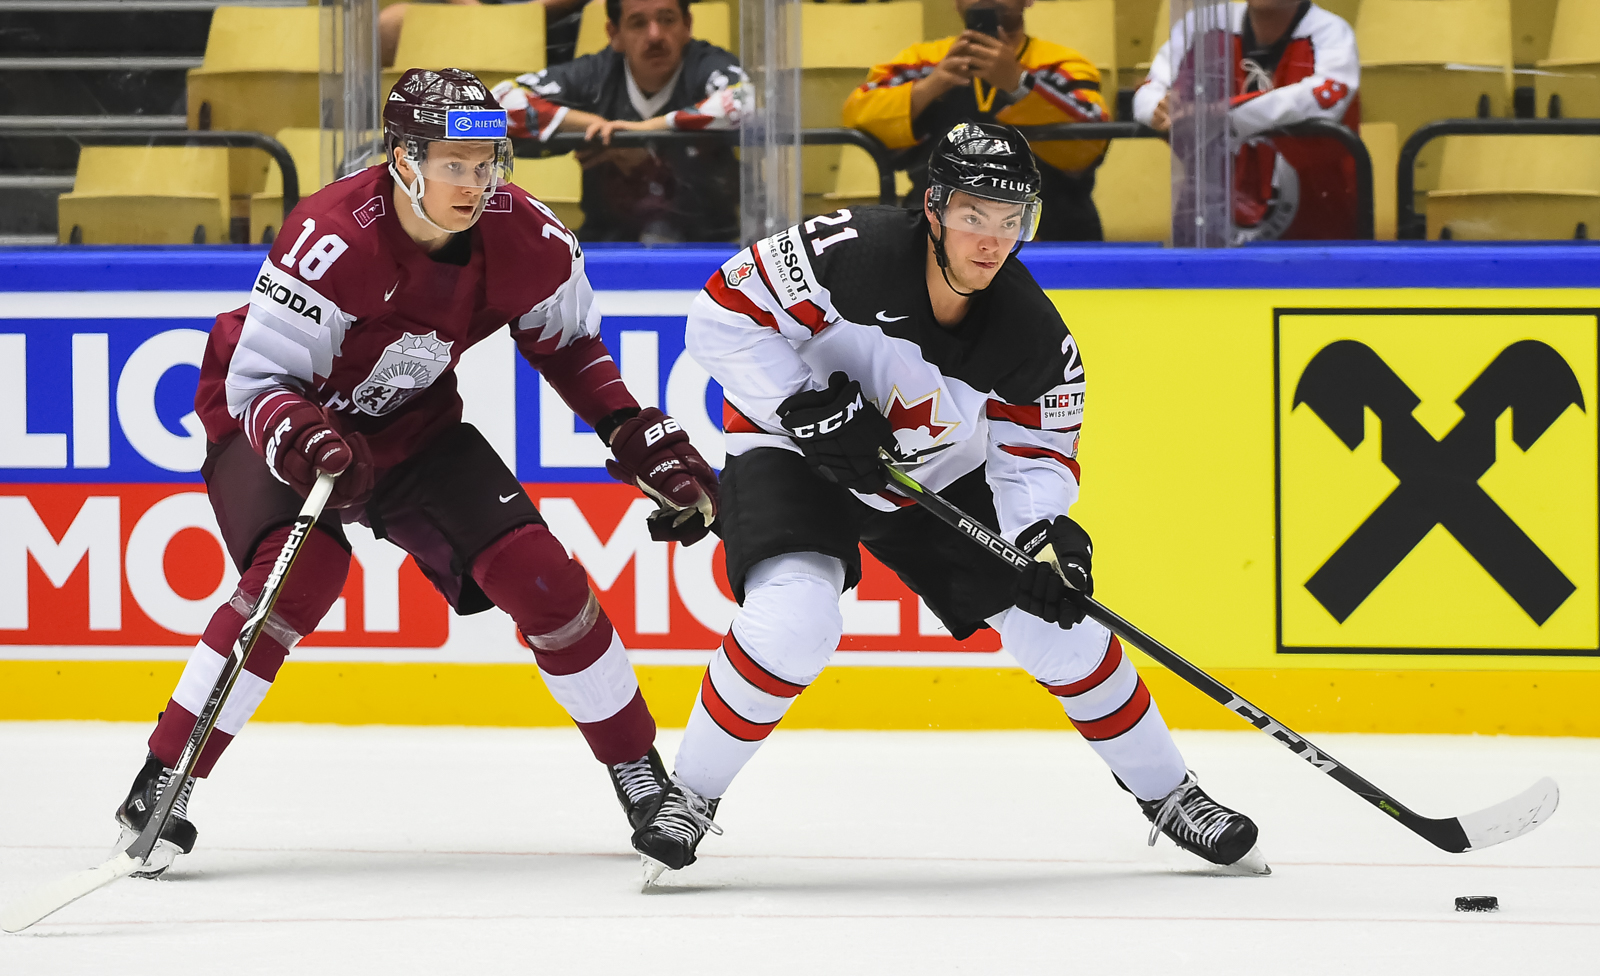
829	425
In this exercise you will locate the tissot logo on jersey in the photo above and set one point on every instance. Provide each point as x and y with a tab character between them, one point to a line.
285	294
788	271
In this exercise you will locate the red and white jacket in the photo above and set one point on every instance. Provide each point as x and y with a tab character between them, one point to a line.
1285	187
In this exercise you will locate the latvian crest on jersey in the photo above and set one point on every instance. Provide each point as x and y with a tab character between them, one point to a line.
408	366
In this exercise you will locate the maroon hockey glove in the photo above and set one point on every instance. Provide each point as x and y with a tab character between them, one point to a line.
840	433
1040	589
294	436
654	453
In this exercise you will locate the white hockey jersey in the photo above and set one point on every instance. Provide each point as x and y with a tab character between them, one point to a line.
847	291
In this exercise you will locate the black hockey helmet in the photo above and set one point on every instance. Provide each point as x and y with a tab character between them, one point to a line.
447	105
988	160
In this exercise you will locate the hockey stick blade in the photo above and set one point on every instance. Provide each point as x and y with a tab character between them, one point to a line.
1475	831
48	899
59	894
1513	818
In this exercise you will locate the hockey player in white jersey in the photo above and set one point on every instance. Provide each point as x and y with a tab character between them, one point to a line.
908	330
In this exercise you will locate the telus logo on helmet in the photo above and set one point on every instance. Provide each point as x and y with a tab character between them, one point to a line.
475	123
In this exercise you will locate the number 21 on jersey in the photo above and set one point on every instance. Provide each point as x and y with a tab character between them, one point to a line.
820	244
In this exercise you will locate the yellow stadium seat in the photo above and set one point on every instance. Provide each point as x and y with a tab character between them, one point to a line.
260	74
557	181
857	182
314	151
1382	142
1517	188
1088	27
493	41
839	42
1347	9
1532	24
1572	71
1132	191
1423	60
1138	39
711	23
147	195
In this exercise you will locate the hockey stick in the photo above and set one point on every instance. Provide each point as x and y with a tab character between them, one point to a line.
58	894
1475	831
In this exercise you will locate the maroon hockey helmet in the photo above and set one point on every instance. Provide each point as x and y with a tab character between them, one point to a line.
448	105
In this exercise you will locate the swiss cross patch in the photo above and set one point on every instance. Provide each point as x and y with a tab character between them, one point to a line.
1062	407
368	212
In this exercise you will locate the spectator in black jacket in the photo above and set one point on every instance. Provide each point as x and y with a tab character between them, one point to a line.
653	77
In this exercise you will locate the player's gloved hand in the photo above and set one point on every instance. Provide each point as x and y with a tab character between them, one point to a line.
654	453
294	436
840	433
1041	590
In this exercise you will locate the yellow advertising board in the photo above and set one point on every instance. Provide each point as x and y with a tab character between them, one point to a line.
1380	481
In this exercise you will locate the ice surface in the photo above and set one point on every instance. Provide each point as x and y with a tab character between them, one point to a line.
483	851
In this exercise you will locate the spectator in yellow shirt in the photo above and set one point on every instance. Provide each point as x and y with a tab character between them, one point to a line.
975	77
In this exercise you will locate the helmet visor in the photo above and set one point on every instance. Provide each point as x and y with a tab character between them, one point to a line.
1007	222
481	163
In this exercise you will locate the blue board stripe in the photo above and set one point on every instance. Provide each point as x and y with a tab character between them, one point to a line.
1103	266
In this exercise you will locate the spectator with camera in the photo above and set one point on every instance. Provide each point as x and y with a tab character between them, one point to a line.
1292	61
654	77
992	71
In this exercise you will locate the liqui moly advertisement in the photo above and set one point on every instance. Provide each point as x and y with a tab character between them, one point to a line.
108	546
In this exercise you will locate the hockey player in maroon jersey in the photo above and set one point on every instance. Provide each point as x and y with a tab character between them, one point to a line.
1292	61
908	330
344	361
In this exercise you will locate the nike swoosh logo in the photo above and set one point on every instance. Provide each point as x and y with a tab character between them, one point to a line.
390	291
507	498
887	318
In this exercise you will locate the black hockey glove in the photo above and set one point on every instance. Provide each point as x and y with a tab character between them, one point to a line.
1040	589
840	433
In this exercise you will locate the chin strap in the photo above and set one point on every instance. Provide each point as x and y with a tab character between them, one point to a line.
944	263
414	193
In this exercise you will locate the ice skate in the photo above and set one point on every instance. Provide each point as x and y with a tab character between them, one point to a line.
668	840
639	785
177	835
1202	826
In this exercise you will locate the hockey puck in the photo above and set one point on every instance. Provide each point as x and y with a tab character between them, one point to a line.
1477	903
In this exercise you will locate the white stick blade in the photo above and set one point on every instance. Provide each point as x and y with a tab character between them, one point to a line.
57	895
1513	818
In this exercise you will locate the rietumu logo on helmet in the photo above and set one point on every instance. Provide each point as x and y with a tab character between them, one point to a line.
446	141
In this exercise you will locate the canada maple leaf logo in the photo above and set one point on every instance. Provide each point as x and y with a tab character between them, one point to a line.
915	422
739	274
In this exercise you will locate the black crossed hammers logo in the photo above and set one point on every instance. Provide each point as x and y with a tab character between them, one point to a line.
1439	478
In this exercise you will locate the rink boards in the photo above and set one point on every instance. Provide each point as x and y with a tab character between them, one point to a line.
1359	484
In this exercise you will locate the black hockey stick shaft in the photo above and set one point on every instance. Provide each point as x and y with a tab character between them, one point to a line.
1446	834
206	721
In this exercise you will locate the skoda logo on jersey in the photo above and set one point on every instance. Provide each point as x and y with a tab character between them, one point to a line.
408	366
1437	472
475	123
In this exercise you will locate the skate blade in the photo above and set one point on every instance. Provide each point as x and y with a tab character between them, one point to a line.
1252	865
653	870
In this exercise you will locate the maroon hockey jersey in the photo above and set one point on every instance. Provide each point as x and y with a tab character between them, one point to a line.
349	311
